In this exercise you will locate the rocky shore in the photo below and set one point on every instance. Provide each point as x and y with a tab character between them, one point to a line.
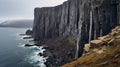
58	50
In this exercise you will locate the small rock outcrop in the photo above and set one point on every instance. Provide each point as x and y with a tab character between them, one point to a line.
29	32
28	45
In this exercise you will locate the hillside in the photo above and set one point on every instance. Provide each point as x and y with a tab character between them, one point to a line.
102	52
17	23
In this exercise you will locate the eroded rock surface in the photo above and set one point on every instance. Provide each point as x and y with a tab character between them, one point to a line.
63	20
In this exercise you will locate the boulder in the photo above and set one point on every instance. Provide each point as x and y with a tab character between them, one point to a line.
95	43
29	32
29	37
87	47
28	45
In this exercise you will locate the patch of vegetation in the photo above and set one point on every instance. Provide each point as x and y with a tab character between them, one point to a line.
71	41
109	59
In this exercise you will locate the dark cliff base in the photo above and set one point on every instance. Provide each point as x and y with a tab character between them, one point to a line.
59	50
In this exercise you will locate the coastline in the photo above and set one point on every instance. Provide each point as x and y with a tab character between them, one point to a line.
58	50
33	58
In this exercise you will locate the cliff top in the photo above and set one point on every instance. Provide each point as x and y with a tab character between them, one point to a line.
52	6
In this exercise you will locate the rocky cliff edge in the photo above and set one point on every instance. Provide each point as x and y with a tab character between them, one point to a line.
102	52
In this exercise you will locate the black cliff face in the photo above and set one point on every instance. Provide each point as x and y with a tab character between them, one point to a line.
63	20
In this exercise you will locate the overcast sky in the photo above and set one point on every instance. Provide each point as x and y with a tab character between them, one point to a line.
23	9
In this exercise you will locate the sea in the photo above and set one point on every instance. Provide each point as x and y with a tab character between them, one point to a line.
13	52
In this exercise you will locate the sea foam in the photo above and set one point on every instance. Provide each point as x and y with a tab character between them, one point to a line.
34	57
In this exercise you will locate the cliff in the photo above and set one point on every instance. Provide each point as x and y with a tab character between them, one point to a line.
56	21
102	52
118	11
93	18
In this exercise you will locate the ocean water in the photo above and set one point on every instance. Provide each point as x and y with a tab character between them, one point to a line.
14	54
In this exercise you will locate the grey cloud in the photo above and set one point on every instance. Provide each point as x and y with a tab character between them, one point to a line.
22	8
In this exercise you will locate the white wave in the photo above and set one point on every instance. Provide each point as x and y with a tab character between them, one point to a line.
34	57
37	48
21	45
20	37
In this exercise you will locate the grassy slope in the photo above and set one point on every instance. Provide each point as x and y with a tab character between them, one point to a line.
108	58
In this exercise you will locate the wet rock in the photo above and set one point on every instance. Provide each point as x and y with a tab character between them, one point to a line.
29	37
40	54
28	45
29	32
